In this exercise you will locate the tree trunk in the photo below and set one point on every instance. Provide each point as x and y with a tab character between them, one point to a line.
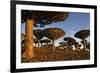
76	46
84	44
29	50
53	45
47	44
34	44
39	44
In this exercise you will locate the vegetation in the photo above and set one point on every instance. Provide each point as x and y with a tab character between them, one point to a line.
38	35
45	53
83	34
53	34
64	51
70	41
31	18
46	41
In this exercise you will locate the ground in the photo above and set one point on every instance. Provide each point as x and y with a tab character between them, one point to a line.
47	54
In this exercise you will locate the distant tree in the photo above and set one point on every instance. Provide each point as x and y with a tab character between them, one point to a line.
39	35
79	46
35	42
46	41
83	34
88	45
23	46
53	34
71	41
63	43
85	41
22	36
76	45
31	18
22	43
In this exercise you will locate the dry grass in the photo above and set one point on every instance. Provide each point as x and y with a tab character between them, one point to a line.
45	54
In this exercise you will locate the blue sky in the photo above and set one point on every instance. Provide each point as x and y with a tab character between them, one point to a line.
75	22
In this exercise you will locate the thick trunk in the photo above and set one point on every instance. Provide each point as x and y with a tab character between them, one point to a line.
34	44
84	44
53	45
76	47
47	44
39	44
29	50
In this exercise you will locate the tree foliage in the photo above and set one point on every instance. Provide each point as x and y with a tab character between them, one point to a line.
31	18
82	34
88	45
53	33
70	40
43	17
35	41
38	34
85	41
22	36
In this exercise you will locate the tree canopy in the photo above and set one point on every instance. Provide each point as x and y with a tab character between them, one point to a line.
85	41
43	17
31	18
38	34
82	34
88	45
70	40
53	33
35	40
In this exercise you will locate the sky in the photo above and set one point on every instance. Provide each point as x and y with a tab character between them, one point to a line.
74	23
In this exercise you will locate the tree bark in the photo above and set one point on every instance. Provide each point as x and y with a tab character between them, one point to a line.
29	50
84	44
47	44
53	45
39	44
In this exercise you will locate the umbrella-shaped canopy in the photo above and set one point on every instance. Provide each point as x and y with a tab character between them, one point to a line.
82	34
38	34
70	40
43	17
53	33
